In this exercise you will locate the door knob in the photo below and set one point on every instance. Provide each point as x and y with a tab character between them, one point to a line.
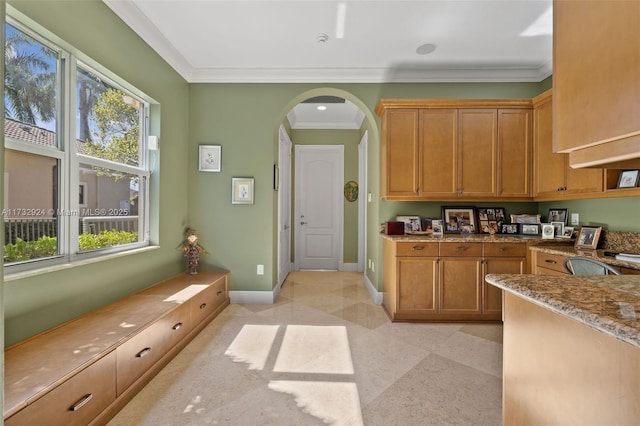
303	223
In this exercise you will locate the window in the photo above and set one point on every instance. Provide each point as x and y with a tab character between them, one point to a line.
70	194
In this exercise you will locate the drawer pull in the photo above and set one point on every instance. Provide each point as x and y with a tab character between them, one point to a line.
81	402
462	248
178	326
204	305
219	293
143	352
417	248
553	262
503	249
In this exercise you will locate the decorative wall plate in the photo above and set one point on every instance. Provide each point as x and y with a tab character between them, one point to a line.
351	191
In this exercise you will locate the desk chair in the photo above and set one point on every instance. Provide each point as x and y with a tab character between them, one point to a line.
578	265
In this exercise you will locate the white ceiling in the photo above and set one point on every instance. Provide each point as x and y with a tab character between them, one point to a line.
367	41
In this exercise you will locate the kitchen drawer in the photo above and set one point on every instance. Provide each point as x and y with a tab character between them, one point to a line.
550	261
505	250
408	249
461	249
208	300
177	324
138	354
76	401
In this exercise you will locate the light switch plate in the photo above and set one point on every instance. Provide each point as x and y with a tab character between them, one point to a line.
575	219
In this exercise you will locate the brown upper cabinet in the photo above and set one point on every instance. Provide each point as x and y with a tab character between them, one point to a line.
554	179
596	70
439	149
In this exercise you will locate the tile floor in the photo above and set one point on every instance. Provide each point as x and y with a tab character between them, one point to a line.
325	354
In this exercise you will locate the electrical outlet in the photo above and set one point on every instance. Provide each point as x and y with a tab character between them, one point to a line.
369	263
260	270
575	218
369	197
373	267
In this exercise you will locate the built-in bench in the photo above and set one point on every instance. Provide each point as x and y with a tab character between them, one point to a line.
86	370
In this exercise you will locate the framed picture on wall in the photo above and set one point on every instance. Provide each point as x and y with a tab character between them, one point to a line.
209	158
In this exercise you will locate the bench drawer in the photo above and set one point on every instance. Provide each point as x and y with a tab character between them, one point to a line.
208	300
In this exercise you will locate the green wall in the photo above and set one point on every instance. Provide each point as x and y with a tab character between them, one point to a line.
37	302
244	119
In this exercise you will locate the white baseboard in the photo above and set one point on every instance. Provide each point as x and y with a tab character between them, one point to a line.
269	297
350	267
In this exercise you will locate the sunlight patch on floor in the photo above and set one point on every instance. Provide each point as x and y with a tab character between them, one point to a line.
314	349
334	402
252	345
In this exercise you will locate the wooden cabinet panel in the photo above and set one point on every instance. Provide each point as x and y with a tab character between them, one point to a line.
438	152
505	250
76	401
514	152
596	64
492	296
417	285
400	159
460	286
453	249
477	152
550	261
416	249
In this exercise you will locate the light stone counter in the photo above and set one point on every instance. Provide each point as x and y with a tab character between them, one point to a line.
610	304
476	238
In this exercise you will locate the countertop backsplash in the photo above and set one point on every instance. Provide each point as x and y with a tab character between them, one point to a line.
619	241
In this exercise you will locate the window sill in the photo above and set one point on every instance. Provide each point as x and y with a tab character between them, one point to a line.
70	265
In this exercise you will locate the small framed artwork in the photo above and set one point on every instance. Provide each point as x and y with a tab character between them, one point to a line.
458	220
436	224
588	237
509	228
628	178
209	158
547	231
558	228
241	190
558	215
525	218
529	228
411	223
567	232
490	219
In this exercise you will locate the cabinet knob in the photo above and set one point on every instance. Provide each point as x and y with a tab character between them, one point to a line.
417	248
178	326
143	352
204	305
553	262
503	249
461	248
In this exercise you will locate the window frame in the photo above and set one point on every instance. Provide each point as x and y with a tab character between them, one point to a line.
69	160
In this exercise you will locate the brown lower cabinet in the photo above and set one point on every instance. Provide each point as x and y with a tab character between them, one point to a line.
553	264
444	281
84	371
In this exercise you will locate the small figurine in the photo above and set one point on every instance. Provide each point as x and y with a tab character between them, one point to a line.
191	250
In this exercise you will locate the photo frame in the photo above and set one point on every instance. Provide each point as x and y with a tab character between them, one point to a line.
588	237
629	178
458	220
529	228
547	230
525	218
558	215
558	228
242	190
510	228
411	223
490	219
436	224
567	232
209	158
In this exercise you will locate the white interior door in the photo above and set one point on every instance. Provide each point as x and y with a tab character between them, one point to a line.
284	206
319	206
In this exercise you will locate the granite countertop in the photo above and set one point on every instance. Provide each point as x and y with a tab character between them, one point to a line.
474	238
594	254
607	303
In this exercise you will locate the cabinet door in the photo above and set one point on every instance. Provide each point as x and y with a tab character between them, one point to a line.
460	286
514	152
584	180
400	155
549	167
417	284
477	152
438	155
492	296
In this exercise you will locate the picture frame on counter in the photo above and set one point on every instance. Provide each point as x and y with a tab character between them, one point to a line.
525	218
436	225
529	228
411	223
458	220
588	237
567	232
510	228
490	219
628	178
558	215
547	230
558	228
